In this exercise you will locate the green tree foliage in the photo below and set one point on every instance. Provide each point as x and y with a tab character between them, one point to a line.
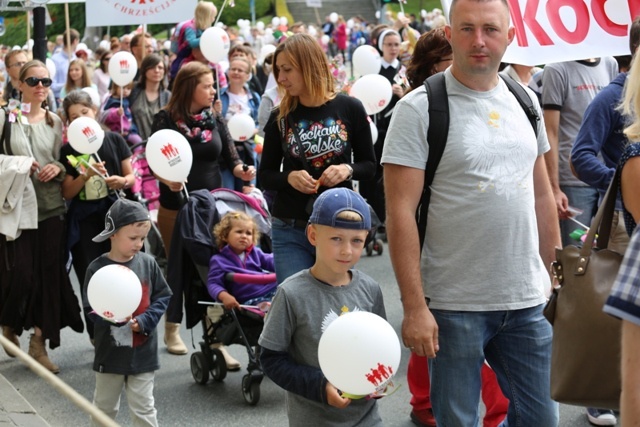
16	22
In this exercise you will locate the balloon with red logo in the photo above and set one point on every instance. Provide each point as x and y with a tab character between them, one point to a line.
123	68
241	127
215	44
114	292
169	155
374	91
85	135
359	353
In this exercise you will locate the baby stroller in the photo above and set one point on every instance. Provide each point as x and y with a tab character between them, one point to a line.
373	242
193	242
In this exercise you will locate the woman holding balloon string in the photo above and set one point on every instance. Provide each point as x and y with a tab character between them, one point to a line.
331	129
35	288
190	113
237	99
91	186
388	42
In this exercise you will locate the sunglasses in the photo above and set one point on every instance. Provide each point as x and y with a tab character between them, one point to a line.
33	81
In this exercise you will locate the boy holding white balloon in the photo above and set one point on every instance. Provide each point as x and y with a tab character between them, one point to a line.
126	349
307	302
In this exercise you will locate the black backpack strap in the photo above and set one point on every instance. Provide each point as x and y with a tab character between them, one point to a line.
436	139
5	139
524	100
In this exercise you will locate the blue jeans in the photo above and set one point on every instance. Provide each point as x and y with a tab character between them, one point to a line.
292	251
585	199
516	344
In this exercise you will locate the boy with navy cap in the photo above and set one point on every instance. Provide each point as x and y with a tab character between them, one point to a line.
307	302
126	354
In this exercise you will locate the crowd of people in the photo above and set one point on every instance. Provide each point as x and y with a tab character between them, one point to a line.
311	141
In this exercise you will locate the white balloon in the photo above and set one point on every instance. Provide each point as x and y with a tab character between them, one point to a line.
215	44
266	50
169	155
85	135
93	93
374	131
333	17
114	292
377	14
374	91
82	46
351	23
241	127
275	21
284	20
51	67
359	353
260	25
122	68
366	60
312	31
325	39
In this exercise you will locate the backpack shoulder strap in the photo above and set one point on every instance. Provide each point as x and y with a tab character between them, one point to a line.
524	100
436	139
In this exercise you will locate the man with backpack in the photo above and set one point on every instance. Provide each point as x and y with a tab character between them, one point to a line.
491	227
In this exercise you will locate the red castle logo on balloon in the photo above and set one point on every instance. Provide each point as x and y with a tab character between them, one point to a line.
381	103
379	375
124	66
171	153
107	315
89	133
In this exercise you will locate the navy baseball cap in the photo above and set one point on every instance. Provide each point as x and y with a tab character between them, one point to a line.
332	202
122	212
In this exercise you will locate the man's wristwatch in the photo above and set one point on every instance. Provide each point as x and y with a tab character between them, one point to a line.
350	171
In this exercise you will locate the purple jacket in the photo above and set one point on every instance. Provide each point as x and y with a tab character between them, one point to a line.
255	262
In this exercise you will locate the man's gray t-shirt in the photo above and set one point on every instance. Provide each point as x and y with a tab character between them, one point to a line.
481	246
569	87
301	310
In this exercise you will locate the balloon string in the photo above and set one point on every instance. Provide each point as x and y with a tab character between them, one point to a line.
401	7
121	106
106	174
220	13
186	193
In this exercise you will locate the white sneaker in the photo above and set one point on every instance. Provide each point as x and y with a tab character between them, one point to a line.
601	417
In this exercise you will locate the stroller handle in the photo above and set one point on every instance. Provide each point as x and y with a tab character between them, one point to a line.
254	279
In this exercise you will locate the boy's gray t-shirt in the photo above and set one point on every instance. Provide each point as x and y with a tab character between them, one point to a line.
481	246
569	87
302	308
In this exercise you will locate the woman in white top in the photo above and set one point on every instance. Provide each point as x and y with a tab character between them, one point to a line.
101	76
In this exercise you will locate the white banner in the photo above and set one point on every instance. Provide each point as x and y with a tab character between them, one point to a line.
565	30
100	13
314	3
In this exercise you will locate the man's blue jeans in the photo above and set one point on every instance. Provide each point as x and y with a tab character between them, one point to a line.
292	251
585	199
516	344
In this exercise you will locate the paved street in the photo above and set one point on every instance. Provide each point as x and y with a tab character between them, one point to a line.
182	402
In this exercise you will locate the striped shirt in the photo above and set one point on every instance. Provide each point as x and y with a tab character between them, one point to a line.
624	301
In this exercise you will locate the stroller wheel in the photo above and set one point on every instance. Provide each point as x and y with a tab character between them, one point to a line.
379	246
218	365
250	390
369	248
199	367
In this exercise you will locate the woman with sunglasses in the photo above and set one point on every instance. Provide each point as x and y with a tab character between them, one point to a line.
101	76
34	284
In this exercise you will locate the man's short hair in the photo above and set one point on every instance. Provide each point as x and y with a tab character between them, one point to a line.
73	36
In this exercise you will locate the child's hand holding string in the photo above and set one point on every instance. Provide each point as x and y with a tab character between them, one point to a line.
334	398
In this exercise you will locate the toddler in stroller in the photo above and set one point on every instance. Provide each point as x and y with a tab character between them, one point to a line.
241	281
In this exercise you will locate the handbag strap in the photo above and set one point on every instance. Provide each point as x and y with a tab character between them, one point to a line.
5	139
601	223
303	157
